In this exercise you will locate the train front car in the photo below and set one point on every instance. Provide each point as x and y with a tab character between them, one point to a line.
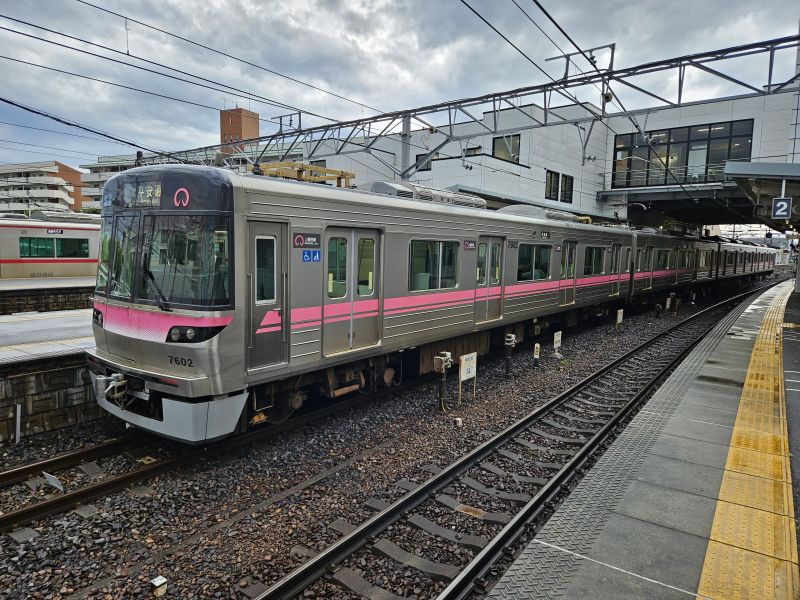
164	304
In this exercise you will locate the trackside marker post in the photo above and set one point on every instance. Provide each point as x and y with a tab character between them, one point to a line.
557	345
468	369
619	318
537	348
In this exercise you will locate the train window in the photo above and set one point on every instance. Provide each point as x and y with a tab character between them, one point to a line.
72	248
662	260
103	257
125	234
185	259
33	247
594	260
265	270
496	259
337	267
568	260
639	260
480	271
684	259
626	261
432	265
533	263
366	266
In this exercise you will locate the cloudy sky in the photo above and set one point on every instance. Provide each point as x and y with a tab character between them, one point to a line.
384	55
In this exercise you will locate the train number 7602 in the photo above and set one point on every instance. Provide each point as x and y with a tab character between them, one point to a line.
180	360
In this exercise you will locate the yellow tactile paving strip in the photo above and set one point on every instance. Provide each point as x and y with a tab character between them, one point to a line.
752	552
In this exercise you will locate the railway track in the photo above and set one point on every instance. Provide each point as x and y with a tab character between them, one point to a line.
500	486
182	457
66	460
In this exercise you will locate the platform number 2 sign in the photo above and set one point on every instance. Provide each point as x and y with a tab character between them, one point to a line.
781	208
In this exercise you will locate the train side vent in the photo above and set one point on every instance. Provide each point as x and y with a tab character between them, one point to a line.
405	189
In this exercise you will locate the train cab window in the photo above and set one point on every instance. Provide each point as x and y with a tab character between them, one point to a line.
265	270
366	267
34	247
533	262
480	270
103	255
662	260
337	267
432	265
594	260
126	233
497	264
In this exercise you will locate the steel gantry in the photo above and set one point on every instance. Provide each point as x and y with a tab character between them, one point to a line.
533	102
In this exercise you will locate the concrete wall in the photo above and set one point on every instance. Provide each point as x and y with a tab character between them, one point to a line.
49	398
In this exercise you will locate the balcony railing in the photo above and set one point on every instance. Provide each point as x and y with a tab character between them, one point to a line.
689	175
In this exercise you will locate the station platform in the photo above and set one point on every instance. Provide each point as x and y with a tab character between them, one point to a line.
33	336
695	497
49	283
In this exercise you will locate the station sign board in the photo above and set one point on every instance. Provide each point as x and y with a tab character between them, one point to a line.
781	208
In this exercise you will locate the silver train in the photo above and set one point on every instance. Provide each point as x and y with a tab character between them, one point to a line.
225	300
52	245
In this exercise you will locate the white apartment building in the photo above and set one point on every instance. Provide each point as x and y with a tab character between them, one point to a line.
48	185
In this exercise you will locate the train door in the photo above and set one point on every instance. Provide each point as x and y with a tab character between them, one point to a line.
566	289
352	290
267	278
489	280
616	251
647	271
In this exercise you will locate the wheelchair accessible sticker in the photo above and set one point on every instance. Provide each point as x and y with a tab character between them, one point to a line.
312	256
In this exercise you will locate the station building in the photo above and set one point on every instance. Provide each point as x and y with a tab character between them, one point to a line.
603	168
48	185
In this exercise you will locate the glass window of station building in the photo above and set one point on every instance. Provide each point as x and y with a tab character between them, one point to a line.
694	154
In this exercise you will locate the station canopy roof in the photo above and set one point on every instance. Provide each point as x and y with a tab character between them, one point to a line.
743	195
761	182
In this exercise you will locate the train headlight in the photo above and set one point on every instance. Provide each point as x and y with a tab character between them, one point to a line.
191	335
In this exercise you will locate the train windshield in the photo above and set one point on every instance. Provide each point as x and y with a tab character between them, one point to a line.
185	259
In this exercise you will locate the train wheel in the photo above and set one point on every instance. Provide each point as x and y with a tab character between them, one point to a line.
279	412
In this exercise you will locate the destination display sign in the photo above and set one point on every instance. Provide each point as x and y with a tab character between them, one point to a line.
173	189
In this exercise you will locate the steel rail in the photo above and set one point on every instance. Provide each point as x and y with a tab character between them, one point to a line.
464	583
313	569
68	500
66	460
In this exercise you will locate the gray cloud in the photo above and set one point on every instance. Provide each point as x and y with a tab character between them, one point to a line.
385	54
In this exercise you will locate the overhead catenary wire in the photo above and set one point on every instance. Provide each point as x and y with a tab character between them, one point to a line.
76	135
47	147
626	113
233	91
120	85
231	56
77	125
562	92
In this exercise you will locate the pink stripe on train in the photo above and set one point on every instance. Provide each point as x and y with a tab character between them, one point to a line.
150	325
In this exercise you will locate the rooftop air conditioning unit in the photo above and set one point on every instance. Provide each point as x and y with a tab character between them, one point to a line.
418	192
